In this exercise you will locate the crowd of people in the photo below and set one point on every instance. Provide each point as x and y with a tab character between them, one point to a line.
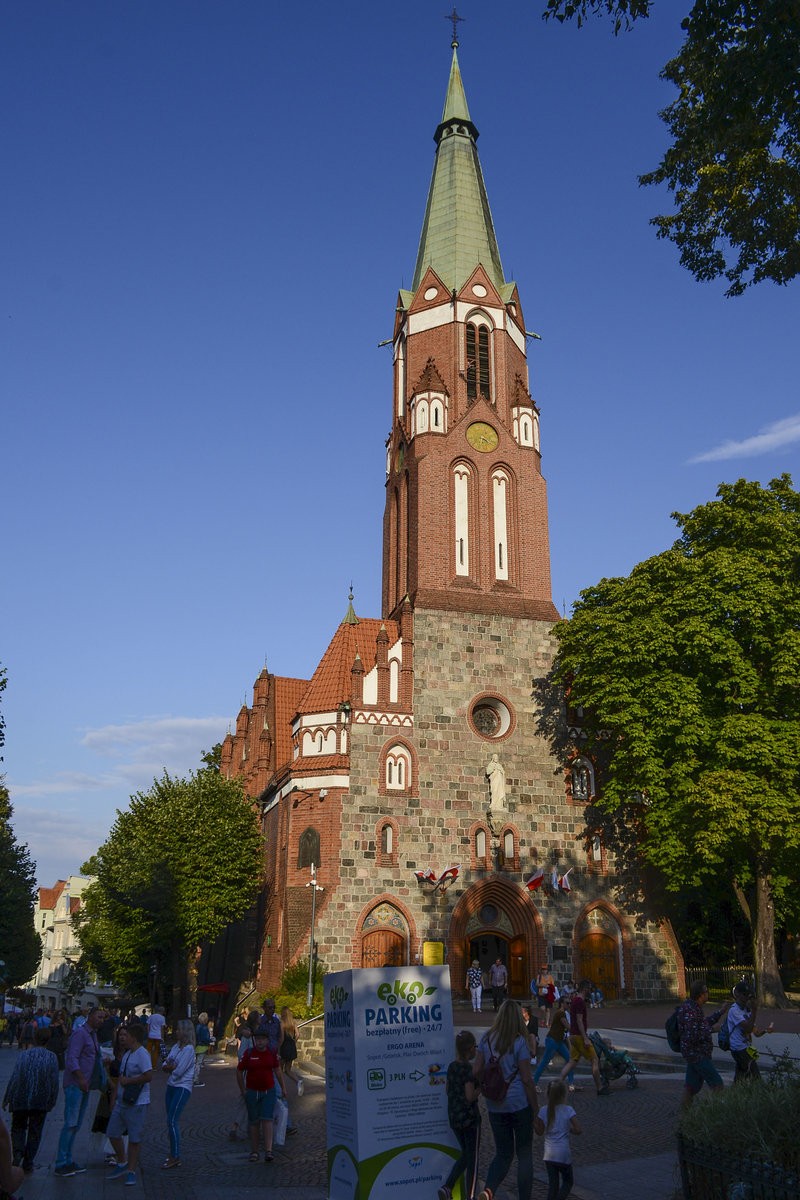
116	1056
506	1065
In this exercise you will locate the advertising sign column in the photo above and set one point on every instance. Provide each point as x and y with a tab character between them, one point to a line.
388	1041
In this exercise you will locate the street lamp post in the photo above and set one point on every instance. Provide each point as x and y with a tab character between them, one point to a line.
311	971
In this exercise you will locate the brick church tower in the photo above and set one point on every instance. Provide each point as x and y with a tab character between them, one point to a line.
465	526
414	746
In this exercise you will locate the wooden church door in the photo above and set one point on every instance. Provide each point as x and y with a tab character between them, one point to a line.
600	963
382	948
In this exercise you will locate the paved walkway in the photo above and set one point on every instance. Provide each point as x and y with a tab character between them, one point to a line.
627	1149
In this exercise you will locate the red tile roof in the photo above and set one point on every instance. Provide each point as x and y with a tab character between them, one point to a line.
331	683
49	896
288	694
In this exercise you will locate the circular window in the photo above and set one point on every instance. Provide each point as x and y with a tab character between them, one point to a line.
488	915
491	717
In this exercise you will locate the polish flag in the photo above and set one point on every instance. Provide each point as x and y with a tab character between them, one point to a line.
428	876
563	882
536	880
449	875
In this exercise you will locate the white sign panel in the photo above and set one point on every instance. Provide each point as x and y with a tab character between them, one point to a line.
388	1042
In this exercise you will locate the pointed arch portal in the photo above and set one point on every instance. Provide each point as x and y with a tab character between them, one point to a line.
502	915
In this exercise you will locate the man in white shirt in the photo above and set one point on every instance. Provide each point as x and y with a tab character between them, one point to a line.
742	1025
155	1033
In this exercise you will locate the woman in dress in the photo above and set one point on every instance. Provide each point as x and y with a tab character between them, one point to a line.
180	1065
511	1118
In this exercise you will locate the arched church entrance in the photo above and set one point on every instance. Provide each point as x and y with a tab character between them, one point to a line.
599	951
494	919
384	937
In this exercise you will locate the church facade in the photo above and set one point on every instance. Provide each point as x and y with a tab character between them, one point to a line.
414	749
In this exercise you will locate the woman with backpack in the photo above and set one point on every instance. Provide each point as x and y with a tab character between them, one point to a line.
503	1068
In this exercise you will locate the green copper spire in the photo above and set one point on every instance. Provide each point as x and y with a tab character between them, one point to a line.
457	233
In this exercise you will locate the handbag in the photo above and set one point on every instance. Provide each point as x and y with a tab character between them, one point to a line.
130	1092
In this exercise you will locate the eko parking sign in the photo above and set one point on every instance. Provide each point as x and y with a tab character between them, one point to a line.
388	1040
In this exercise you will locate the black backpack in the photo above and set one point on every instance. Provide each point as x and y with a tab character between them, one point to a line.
724	1035
673	1030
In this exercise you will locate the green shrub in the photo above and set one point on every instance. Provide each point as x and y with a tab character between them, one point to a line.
758	1118
293	991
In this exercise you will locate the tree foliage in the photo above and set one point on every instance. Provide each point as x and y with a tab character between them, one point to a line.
686	673
20	947
182	862
734	163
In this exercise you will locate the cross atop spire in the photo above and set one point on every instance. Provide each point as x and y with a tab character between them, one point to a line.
455	18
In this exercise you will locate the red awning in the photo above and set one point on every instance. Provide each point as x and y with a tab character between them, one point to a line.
222	988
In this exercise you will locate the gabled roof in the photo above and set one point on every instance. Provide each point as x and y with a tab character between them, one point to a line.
331	683
49	896
457	232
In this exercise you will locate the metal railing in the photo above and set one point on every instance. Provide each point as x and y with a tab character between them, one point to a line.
720	980
711	1174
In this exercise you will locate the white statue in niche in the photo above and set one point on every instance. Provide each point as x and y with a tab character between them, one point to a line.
495	772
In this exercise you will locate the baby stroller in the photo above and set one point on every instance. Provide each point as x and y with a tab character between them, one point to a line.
614	1063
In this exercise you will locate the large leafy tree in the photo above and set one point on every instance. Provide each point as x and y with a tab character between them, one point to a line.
734	162
20	947
684	675
182	862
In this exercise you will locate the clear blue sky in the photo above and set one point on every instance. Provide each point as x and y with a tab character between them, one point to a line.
207	211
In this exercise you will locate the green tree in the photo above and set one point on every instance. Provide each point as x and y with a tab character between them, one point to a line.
734	162
213	757
20	947
182	862
683	681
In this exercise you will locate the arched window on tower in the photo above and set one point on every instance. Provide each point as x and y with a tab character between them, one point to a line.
500	488
480	844
478	361
387	839
462	480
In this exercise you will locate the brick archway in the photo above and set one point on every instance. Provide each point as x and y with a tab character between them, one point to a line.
515	902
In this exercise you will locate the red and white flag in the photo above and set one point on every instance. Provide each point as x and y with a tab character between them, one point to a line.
536	880
428	876
449	875
563	882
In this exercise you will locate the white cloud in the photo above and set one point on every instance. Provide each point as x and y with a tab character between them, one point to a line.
128	758
771	437
156	738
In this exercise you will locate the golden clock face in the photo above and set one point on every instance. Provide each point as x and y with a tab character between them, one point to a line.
482	437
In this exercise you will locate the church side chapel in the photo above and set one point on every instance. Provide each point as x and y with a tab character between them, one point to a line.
408	770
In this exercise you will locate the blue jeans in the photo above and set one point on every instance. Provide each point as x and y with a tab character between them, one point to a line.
175	1100
551	1048
512	1131
75	1102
